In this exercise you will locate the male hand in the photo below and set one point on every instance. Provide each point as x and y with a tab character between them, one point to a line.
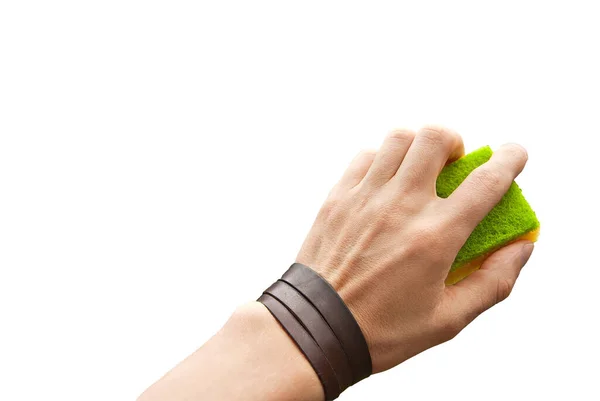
385	241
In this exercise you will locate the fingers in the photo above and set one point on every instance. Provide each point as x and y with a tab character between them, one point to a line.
390	156
431	149
486	185
414	159
487	286
357	169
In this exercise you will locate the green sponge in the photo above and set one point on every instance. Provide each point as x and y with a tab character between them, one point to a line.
510	220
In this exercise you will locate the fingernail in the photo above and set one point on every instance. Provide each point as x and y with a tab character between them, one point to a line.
526	251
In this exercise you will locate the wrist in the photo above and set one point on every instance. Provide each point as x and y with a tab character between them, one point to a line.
273	357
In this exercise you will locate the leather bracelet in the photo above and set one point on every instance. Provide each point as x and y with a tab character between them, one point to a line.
317	327
331	306
305	304
306	343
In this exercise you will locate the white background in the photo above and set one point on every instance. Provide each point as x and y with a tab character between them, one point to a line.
161	163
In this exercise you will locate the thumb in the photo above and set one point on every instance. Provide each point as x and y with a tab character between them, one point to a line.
491	284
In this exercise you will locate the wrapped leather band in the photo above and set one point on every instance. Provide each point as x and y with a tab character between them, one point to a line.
316	318
306	343
331	306
317	327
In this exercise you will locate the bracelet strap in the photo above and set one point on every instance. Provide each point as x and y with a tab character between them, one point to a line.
317	327
331	306
306	343
305	304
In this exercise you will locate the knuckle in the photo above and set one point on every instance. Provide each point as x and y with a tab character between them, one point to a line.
503	289
434	135
441	136
489	178
401	135
426	238
434	127
384	215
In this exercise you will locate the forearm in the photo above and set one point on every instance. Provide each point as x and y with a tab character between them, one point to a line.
250	358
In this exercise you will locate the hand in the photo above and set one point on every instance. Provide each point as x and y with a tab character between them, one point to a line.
385	241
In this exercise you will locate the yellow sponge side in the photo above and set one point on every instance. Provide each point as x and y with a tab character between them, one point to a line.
469	267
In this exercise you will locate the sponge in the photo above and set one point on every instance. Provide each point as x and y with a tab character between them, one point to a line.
510	220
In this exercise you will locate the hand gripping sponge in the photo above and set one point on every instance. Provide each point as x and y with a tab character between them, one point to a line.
510	220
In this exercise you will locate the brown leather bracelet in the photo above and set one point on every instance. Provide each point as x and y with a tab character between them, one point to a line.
317	327
314	315
306	343
331	306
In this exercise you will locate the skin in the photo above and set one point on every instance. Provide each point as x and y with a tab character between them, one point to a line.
385	241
